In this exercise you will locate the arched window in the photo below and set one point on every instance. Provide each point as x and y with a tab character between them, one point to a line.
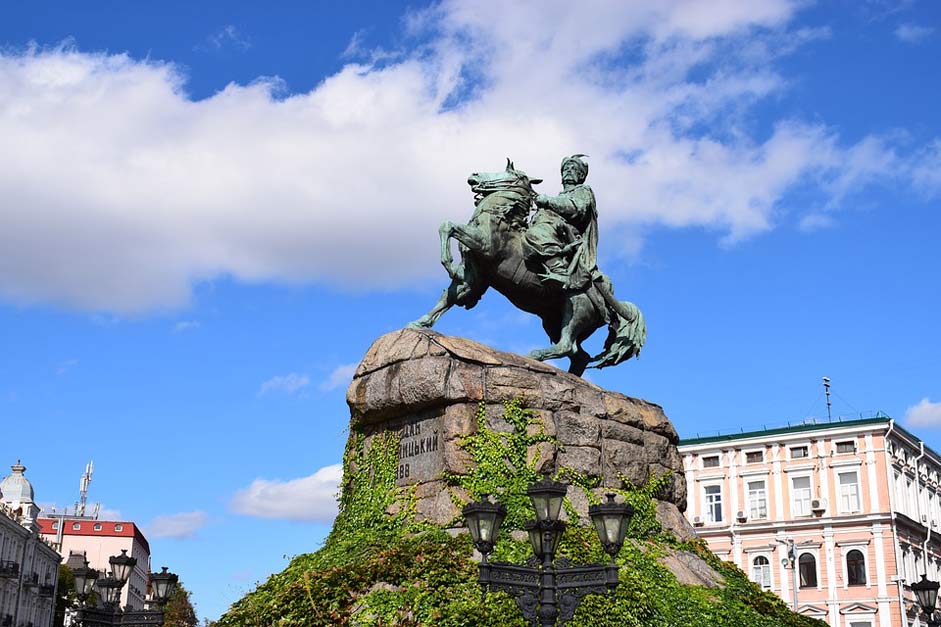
855	568
761	571
808	570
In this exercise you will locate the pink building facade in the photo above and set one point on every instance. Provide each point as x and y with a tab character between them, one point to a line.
844	514
99	540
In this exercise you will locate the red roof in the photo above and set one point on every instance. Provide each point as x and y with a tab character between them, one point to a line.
87	527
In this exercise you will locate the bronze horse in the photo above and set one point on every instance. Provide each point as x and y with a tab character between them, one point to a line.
493	255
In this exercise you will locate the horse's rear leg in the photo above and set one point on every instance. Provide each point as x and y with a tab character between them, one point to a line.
579	361
577	314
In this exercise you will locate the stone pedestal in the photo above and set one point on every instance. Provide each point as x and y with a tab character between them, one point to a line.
428	386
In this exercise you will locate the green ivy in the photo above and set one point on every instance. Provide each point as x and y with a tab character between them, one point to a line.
500	465
379	567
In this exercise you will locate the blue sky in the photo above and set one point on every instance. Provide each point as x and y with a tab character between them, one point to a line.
210	212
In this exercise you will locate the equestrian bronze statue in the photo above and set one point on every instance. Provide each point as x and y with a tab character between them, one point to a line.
544	263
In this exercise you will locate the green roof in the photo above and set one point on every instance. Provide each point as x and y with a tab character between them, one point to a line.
798	428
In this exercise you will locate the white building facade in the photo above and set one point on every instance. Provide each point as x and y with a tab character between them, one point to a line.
29	566
839	517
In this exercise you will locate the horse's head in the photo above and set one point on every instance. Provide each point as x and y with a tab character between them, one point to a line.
509	180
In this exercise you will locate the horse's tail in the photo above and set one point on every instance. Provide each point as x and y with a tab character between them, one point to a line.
627	333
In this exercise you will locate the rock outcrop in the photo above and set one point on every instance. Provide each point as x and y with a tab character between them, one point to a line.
428	386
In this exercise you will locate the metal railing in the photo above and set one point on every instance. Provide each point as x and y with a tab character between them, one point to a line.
9	568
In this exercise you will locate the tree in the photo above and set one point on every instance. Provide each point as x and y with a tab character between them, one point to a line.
65	595
179	610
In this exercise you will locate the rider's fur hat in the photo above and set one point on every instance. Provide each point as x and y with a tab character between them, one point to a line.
581	163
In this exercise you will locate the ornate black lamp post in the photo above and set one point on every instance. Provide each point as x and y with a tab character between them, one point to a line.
926	592
110	615
547	590
85	578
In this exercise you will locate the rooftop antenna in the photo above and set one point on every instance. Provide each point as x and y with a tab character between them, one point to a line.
826	389
83	489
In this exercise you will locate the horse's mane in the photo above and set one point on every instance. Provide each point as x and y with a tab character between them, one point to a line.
511	198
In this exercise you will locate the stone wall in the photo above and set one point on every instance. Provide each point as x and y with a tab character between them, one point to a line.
428	386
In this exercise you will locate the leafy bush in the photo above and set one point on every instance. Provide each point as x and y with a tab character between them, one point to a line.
379	567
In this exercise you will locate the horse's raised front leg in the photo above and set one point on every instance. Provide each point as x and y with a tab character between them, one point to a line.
467	235
458	293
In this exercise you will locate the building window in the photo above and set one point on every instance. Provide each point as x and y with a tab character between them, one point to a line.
849	492
798	452
757	500
710	462
97	526
754	457
119	527
800	494
860	623
713	504
761	571
855	568
845	447
808	570
76	526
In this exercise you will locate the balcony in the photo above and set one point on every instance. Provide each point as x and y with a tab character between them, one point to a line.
9	569
46	590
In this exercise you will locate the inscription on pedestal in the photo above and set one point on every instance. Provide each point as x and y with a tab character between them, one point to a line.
421	452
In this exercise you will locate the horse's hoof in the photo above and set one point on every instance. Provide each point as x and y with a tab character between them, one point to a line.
421	323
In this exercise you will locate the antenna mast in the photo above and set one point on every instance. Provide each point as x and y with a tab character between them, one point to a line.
826	389
83	489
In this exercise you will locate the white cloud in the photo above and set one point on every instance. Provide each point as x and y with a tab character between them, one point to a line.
181	526
120	192
226	37
341	376
106	513
816	222
186	325
311	498
924	414
65	366
927	172
289	383
913	33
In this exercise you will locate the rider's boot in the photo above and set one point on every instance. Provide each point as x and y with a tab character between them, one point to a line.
557	269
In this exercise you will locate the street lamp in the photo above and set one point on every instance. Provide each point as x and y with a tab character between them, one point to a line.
85	578
110	588
122	565
926	592
163	584
547	590
611	520
483	521
110	615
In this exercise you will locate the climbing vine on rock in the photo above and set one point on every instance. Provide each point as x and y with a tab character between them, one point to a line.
500	465
379	567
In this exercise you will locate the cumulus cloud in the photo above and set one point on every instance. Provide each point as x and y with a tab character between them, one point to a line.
120	192
341	376
289	383
186	325
913	33
65	366
181	526
226	37
311	498
924	414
